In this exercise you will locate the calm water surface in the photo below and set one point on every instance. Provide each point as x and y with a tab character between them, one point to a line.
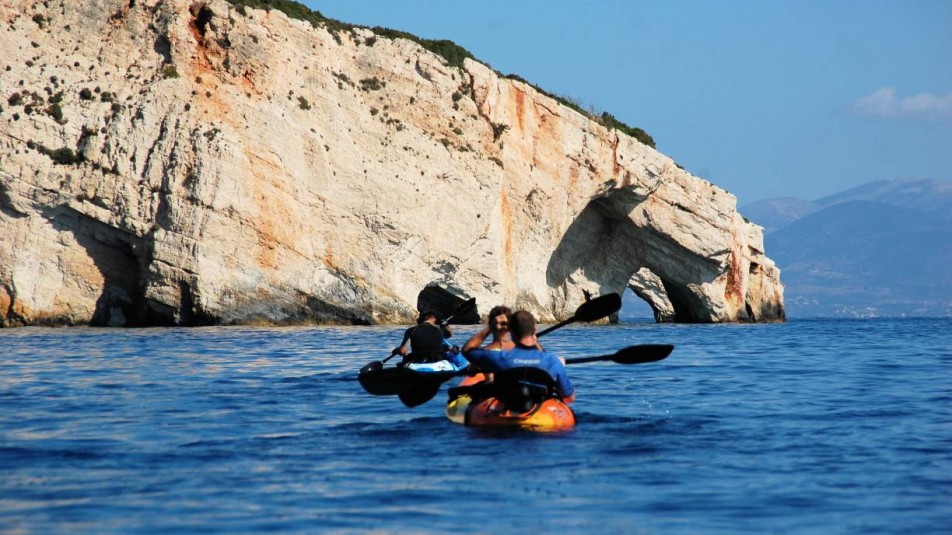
817	426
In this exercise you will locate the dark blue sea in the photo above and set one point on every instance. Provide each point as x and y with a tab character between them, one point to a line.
811	426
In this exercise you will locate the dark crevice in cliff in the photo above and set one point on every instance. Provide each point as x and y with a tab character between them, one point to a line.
121	13
437	299
6	203
326	312
201	17
498	128
11	317
163	47
686	305
115	254
166	162
190	314
163	160
419	70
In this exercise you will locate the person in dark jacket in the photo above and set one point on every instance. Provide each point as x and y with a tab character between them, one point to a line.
425	342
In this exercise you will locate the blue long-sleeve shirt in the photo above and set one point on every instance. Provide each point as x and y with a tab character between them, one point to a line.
522	356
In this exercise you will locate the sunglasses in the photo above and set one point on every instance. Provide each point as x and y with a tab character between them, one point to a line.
502	323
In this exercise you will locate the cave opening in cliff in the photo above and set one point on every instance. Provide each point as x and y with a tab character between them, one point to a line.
635	309
685	303
434	297
610	244
113	253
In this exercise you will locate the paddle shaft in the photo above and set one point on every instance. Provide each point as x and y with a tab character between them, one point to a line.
581	360
591	310
463	308
557	326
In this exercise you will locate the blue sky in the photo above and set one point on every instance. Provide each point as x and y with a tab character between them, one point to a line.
765	99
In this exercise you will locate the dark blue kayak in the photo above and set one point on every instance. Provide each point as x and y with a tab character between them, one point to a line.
396	380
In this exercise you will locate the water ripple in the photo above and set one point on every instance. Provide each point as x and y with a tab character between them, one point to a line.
809	426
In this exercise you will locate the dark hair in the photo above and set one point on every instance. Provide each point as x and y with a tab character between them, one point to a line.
521	324
499	311
427	314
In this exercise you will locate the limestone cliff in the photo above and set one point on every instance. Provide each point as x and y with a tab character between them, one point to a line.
187	162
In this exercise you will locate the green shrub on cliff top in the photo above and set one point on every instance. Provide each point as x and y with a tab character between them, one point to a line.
450	51
294	10
610	121
606	119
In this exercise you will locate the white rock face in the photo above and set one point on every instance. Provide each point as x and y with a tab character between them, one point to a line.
184	162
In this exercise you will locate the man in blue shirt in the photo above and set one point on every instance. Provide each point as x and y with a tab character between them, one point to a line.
527	353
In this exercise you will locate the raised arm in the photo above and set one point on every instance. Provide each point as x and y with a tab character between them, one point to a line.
476	341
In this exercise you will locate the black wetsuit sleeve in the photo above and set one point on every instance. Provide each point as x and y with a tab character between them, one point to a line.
406	336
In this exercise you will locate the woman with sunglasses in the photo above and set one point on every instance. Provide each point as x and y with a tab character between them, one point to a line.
498	327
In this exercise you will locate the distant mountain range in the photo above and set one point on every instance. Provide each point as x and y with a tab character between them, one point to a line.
880	249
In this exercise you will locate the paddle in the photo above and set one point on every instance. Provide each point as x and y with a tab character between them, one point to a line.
429	385
413	397
639	354
464	308
590	310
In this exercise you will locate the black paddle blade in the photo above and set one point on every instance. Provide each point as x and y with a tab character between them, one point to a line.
421	394
639	354
643	353
380	381
598	308
464	308
372	367
591	310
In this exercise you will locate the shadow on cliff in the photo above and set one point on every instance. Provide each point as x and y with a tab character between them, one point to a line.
433	297
114	254
605	246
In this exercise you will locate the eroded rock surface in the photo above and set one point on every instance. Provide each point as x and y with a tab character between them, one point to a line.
184	162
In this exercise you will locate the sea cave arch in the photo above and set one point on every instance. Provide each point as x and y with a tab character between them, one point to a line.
634	309
615	244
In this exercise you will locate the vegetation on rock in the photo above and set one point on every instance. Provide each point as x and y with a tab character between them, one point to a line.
450	51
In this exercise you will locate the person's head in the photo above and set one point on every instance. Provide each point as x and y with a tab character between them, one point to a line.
429	316
499	319
521	325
